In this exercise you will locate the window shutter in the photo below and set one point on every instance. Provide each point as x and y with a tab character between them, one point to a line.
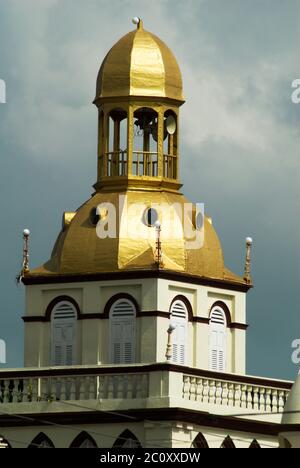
63	334
122	332
218	340
179	337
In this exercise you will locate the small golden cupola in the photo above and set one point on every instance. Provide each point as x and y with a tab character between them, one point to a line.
138	95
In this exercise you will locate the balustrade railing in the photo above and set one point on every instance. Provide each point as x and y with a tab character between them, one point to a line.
137	381
234	394
84	387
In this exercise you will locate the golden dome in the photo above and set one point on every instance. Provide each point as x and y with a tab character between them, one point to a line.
139	64
79	251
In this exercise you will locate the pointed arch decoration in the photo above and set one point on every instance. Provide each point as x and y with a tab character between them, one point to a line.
228	443
41	441
83	440
127	440
254	444
200	442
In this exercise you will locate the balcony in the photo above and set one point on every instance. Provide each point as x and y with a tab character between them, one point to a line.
137	386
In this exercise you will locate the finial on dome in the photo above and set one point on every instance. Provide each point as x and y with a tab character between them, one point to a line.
247	272
139	23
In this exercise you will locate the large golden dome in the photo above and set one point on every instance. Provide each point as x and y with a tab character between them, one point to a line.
79	251
139	64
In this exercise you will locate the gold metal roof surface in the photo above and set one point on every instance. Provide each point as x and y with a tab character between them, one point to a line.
139	64
79	250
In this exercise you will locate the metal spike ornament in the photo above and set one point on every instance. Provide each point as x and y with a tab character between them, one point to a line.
247	273
158	250
25	262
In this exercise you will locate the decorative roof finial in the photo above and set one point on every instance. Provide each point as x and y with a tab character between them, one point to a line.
25	262
158	251
26	234
139	23
247	273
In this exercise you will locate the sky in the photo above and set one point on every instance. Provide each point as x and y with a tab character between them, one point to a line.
239	140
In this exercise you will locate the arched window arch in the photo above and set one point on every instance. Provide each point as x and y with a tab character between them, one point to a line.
41	441
4	443
217	339
145	143
122	318
179	318
200	442
63	342
228	443
83	440
254	444
127	440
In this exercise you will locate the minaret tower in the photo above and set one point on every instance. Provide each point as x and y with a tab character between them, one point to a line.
137	259
138	95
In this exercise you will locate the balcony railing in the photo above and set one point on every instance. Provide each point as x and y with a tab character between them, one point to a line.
144	163
184	386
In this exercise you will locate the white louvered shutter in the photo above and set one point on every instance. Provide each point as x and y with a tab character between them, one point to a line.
63	334
218	340
179	335
122	332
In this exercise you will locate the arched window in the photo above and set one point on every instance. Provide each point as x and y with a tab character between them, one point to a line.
63	320
255	444
41	441
227	443
179	315
122	332
200	442
217	339
127	440
83	440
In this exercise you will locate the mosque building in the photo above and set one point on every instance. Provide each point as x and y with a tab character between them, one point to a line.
135	330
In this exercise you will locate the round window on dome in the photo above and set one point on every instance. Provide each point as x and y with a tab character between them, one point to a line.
150	217
94	217
199	221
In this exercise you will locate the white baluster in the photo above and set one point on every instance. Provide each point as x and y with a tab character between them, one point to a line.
145	390
110	387
193	389
218	393
130	386
205	391
34	389
281	401
212	392
73	388
244	397
101	388
185	391
120	384
268	400
237	395
262	401
92	393
249	397
274	401
231	394
225	393
199	390
255	399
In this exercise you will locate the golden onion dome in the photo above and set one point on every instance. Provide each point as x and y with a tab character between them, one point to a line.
139	64
79	250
